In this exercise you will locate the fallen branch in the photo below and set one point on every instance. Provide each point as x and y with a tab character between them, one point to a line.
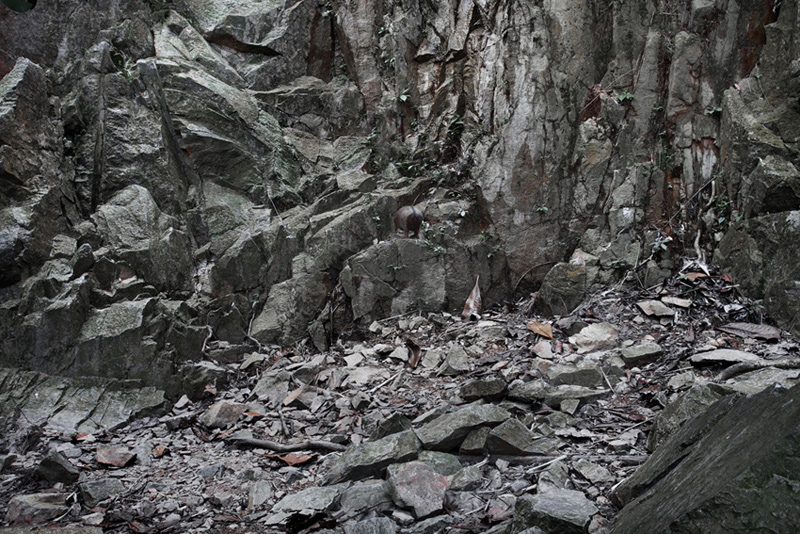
743	367
280	447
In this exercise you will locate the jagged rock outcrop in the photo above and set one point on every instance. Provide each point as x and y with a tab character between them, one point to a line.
225	174
732	466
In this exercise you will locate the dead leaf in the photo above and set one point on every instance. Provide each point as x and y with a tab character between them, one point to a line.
159	451
759	331
694	276
472	308
414	353
293	395
292	458
542	329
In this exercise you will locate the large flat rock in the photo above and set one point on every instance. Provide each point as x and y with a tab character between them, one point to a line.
734	465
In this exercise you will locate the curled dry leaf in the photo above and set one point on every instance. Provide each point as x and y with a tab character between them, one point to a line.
414	353
472	308
292	458
542	329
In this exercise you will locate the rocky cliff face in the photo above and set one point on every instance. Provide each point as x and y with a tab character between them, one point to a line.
190	178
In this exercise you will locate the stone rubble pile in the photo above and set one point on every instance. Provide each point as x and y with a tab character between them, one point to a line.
497	428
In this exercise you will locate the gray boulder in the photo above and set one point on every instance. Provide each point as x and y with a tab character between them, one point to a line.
731	465
449	430
370	458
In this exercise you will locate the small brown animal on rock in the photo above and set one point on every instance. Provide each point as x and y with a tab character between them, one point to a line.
408	219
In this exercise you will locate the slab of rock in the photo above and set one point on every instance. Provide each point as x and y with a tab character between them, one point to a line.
417	486
513	438
553	396
55	467
690	403
70	405
586	374
596	336
374	525
307	502
556	510
272	387
733	464
456	362
54	530
475	442
222	414
491	388
723	356
370	458
94	491
468	478
447	431
532	392
363	496
396	422
36	508
260	492
655	308
756	381
640	354
596	474
441	462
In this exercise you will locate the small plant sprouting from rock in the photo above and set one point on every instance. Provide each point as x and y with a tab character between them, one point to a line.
660	244
625	96
542	208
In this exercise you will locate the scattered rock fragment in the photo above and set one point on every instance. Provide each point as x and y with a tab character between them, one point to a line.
260	492
370	458
640	355
586	374
596	336
447	431
655	308
374	525
456	362
491	388
114	456
222	414
556	510
36	508
306	503
726	356
417	486
512	438
95	491
54	467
